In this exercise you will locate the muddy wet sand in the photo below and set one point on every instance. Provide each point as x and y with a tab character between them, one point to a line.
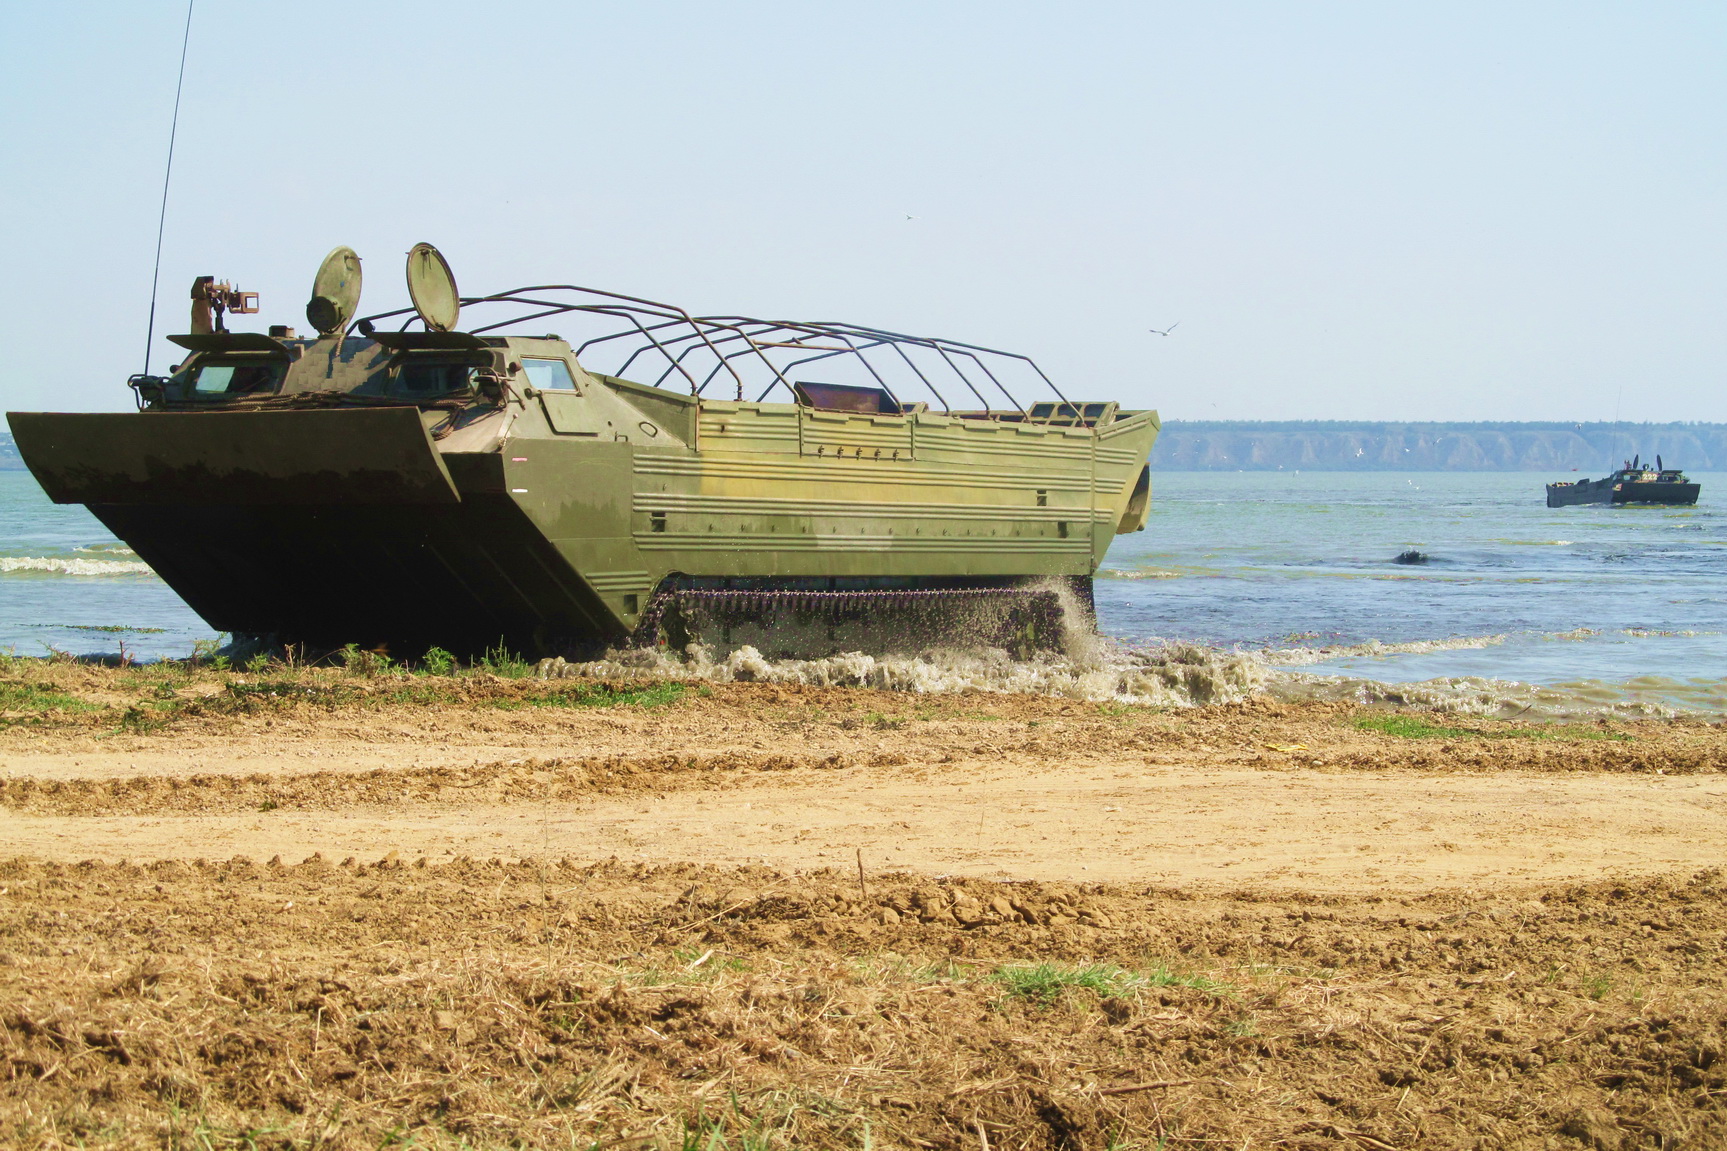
304	908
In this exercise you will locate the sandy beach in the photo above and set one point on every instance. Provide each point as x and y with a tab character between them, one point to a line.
564	913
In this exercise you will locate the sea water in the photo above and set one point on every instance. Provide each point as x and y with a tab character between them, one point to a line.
66	584
1607	605
1242	582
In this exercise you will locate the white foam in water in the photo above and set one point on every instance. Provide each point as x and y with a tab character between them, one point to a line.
1297	656
1178	675
1136	573
1646	698
1548	692
1168	675
76	567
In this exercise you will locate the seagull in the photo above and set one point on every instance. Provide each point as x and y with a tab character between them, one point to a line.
1165	331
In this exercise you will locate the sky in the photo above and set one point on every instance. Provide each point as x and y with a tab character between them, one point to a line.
1467	211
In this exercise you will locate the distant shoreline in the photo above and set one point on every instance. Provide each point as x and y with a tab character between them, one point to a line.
1374	446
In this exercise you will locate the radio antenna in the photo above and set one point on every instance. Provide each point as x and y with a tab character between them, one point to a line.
167	174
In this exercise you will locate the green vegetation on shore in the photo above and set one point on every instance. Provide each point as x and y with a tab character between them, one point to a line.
144	698
1412	727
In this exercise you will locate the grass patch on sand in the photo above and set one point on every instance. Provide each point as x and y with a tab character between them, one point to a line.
1412	727
596	695
149	716
154	699
605	695
32	698
1045	983
428	691
282	691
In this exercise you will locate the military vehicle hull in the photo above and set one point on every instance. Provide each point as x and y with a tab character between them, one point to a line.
1619	489
410	489
327	527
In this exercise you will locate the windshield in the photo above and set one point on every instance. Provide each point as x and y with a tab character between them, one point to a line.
435	379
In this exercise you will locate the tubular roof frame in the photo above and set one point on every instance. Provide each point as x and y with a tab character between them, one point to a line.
731	343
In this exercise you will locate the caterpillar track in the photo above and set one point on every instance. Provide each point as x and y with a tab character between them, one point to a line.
803	622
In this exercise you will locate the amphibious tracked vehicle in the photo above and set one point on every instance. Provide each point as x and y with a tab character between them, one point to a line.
401	482
1635	483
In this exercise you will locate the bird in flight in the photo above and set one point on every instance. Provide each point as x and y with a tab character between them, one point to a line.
1165	331
909	216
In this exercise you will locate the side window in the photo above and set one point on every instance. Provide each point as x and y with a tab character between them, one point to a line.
548	373
234	379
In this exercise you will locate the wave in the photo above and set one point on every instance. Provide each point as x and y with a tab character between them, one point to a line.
1649	697
1300	656
77	567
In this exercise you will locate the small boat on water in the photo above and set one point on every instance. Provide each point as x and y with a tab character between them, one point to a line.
1635	483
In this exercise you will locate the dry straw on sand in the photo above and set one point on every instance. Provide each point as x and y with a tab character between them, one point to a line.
548	1005
364	1003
